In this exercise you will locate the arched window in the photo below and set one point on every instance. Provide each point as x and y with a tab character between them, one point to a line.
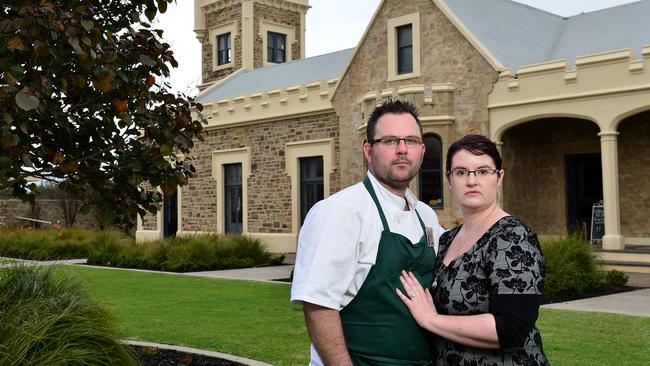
431	175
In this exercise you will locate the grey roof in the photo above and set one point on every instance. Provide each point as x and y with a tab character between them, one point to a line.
620	27
518	34
303	71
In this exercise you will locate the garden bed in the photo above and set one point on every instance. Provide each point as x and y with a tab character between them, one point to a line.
151	356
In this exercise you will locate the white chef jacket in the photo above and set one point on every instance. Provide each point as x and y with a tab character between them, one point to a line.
339	241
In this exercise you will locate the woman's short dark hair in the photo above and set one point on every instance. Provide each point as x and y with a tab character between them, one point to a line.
477	145
394	106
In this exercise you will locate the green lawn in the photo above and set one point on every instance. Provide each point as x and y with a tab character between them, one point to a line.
243	318
573	338
256	320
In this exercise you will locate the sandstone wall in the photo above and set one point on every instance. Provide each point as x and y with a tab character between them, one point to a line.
633	172
269	186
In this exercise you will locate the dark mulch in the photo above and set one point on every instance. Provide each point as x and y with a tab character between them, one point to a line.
150	356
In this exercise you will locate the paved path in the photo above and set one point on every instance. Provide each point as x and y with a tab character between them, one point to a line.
265	274
635	303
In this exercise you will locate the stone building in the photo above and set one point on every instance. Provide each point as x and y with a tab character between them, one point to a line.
567	100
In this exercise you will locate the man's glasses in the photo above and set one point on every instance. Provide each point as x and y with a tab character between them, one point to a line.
392	141
478	173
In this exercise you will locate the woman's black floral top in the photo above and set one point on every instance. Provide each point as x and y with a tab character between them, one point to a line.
507	259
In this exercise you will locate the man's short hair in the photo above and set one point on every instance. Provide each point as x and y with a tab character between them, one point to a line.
394	106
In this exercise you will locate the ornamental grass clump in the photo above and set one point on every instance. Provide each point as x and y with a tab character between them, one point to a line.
572	268
47	318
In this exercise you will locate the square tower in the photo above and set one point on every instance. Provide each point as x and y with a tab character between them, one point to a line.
248	34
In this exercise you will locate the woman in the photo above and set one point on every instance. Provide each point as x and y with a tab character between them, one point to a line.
489	276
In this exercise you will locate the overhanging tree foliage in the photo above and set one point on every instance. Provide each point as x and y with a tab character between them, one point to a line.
82	100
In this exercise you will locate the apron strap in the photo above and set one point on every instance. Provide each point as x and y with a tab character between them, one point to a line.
368	185
371	190
420	219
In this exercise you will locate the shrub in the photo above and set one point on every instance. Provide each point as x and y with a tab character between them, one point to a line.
47	318
572	268
185	254
53	244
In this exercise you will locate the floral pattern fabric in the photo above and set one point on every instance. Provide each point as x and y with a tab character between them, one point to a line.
507	259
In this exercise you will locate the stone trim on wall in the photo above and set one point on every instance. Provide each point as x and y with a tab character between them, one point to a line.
434	102
297	100
297	150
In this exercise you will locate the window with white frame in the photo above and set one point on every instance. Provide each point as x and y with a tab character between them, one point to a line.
224	49
277	40
222	40
403	47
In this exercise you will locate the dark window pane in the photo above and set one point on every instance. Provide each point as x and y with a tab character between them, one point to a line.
232	174
405	49
405	35
170	215
311	183
431	174
224	50
276	44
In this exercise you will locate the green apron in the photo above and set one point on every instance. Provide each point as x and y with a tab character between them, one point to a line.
379	330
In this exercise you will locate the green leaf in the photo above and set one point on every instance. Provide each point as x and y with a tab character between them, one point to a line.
147	60
27	161
85	209
26	101
162	6
166	149
150	12
87	24
107	217
74	42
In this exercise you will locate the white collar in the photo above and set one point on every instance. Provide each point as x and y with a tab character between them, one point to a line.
394	202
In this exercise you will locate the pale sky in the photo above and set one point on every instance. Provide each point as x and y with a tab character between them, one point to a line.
350	16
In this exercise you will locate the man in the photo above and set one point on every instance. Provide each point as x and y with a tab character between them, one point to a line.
353	246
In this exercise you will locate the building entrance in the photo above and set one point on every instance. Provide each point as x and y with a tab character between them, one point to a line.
584	187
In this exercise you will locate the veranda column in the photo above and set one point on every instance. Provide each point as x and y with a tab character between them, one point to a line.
609	155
